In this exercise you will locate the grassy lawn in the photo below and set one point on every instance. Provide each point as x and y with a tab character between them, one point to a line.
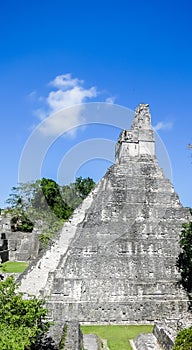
13	266
117	336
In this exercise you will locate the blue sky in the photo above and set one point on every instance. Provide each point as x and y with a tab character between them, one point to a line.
56	53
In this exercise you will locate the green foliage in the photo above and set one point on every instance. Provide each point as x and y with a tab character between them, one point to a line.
76	192
184	262
70	195
48	225
21	197
33	208
49	194
14	339
183	340
20	222
84	186
45	205
62	342
44	239
22	321
13	266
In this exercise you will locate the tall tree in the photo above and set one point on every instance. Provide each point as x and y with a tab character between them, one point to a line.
48	195
184	262
77	191
45	204
84	186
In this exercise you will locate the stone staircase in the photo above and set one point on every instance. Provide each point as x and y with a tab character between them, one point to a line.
37	278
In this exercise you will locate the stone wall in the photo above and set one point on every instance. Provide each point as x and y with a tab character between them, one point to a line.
4	254
164	335
145	341
17	246
22	246
74	337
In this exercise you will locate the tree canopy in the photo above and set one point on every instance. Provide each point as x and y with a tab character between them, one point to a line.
46	205
183	340
48	195
22	321
76	192
184	262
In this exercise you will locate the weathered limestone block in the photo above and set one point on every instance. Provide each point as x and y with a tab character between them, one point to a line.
74	337
5	222
16	246
22	246
92	342
164	335
145	341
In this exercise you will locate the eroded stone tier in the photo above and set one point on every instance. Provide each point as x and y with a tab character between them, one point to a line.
120	263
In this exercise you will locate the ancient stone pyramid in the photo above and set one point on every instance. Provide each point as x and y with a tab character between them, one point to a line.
115	260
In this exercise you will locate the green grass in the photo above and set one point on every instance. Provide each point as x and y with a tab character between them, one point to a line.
13	266
117	336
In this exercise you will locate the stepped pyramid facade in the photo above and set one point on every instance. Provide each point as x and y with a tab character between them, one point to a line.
115	260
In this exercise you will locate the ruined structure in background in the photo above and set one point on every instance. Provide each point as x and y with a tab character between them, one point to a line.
17	246
115	260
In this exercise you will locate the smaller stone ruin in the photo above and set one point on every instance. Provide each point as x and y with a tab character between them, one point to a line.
16	246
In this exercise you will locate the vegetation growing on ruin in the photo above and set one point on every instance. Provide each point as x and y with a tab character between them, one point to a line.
117	336
45	205
48	195
20	222
22	321
62	342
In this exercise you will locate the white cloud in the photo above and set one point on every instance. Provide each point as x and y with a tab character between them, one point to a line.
163	126
65	81
66	92
64	121
61	99
110	99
